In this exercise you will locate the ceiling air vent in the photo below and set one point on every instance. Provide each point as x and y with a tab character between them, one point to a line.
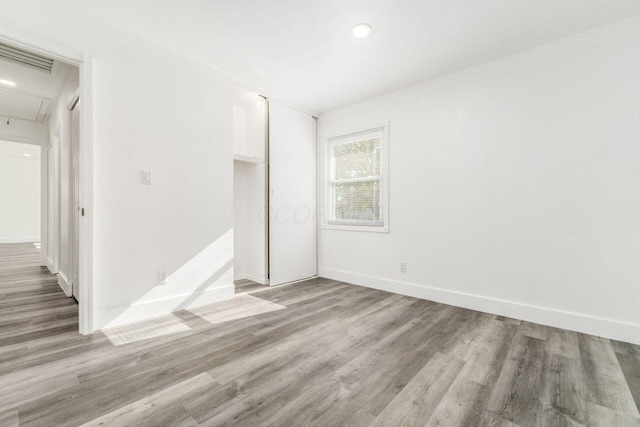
26	58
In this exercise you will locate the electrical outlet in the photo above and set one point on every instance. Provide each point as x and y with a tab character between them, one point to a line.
403	267
163	276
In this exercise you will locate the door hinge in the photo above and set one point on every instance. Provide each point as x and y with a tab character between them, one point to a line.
82	211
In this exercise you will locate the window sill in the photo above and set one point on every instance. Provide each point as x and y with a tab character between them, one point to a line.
347	227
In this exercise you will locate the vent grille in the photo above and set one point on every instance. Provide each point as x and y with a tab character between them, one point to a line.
26	58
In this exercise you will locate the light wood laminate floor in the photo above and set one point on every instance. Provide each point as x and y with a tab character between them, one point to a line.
317	353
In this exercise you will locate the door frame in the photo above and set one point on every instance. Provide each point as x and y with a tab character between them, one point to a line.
74	108
85	64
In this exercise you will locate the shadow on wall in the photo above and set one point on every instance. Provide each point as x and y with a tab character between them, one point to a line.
205	278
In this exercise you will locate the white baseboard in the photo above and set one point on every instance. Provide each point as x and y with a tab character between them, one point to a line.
127	314
256	279
51	266
32	239
594	325
64	284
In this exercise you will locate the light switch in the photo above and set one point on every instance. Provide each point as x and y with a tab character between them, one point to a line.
146	177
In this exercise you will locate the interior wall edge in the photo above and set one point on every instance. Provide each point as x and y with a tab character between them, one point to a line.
51	266
603	327
64	284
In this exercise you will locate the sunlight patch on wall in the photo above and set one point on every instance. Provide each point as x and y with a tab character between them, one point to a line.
205	278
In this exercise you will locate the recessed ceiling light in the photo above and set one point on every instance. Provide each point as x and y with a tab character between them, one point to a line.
27	155
7	82
361	30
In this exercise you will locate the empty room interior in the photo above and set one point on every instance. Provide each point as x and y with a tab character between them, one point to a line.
320	213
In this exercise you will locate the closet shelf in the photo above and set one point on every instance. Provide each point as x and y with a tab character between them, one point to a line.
245	158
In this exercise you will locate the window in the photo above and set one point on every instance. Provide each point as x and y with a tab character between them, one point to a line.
358	190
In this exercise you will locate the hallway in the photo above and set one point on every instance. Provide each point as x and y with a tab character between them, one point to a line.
32	305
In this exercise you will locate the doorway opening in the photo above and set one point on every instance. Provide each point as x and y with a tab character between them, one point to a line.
45	94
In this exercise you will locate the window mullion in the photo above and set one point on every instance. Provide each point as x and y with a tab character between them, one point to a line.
354	180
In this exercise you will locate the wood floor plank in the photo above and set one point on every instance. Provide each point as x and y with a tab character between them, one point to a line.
562	395
491	419
517	392
420	397
626	348
600	416
462	404
606	384
161	408
630	366
468	397
534	330
563	342
9	418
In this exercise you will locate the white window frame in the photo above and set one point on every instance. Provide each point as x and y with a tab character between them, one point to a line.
381	226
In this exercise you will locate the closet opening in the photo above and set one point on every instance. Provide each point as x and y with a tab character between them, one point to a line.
250	187
275	232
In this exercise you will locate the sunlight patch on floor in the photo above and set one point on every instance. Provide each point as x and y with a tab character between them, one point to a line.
152	328
253	291
240	307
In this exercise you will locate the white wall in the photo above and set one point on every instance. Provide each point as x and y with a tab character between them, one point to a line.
51	184
153	110
514	187
59	174
19	192
249	181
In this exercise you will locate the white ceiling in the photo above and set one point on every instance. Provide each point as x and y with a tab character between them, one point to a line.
302	52
32	96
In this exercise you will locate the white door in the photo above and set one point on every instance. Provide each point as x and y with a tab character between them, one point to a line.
75	164
292	195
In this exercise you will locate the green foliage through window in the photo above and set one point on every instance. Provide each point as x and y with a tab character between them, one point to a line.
356	180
